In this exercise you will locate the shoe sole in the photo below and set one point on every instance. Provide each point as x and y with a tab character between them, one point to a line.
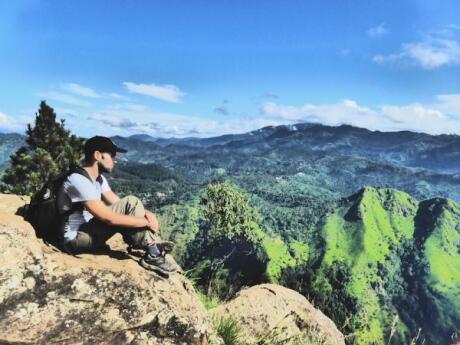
154	268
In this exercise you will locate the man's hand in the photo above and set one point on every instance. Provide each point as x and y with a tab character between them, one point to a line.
154	225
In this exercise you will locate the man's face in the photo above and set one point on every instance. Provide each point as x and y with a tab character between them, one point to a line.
107	162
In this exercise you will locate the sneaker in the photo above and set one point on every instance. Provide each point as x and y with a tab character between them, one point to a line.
165	247
157	264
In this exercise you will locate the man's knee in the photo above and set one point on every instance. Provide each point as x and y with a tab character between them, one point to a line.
134	205
131	200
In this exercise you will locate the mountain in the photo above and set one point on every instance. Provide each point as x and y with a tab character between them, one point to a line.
390	265
440	153
9	143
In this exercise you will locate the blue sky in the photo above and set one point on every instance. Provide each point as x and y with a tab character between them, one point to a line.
196	68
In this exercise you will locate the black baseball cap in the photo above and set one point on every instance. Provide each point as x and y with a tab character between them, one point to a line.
102	144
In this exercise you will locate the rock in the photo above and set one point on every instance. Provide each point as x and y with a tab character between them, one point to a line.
275	313
47	296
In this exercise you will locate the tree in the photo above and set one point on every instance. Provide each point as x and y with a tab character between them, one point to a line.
49	149
228	226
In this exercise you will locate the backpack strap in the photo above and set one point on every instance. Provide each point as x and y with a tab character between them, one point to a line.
75	169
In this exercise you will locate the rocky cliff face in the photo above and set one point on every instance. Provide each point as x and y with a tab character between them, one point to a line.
47	296
279	315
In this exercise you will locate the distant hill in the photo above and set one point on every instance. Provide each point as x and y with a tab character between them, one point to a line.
389	260
9	143
440	153
336	160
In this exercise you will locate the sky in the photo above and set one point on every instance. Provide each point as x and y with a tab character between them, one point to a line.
206	68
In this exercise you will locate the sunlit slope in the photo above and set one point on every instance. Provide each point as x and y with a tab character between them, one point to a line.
438	238
388	264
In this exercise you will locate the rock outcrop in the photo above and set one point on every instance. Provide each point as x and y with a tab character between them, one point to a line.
274	313
47	296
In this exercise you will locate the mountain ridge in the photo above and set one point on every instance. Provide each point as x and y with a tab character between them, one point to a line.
394	266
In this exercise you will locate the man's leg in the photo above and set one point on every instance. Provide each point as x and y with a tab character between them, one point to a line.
83	242
137	238
143	239
95	233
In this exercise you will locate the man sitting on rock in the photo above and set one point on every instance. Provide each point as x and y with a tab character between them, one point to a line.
97	213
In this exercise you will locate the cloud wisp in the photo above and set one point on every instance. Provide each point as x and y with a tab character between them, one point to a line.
378	31
80	90
64	98
5	120
438	49
222	109
167	93
16	124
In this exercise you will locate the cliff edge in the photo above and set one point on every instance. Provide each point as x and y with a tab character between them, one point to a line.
49	296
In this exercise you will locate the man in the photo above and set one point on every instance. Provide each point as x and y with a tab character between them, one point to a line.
96	213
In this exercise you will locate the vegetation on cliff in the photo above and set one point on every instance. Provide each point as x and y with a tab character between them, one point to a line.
49	149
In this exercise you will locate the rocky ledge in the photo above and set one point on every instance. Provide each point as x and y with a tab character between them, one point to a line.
47	296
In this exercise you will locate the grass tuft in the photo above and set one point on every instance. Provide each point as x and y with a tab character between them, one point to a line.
229	330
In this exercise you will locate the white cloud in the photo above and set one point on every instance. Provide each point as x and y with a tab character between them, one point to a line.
64	98
430	54
378	31
80	90
10	124
168	93
126	119
431	119
334	114
117	96
4	119
449	104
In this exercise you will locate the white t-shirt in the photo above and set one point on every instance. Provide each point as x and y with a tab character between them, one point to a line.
77	188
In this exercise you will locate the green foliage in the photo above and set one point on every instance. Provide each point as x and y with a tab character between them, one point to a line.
208	302
226	214
229	330
49	149
179	223
224	254
278	258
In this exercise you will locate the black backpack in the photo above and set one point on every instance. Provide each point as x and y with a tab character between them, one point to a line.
43	212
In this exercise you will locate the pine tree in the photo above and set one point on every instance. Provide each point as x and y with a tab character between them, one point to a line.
49	149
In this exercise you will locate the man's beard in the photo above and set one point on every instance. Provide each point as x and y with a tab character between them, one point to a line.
102	168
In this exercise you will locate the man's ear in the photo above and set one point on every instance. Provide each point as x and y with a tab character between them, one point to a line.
97	155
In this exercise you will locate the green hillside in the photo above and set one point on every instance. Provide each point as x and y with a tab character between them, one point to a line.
391	266
385	267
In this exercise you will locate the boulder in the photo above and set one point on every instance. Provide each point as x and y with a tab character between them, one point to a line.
47	296
271	313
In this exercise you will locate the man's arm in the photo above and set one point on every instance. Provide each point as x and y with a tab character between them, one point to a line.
152	219
110	197
99	210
